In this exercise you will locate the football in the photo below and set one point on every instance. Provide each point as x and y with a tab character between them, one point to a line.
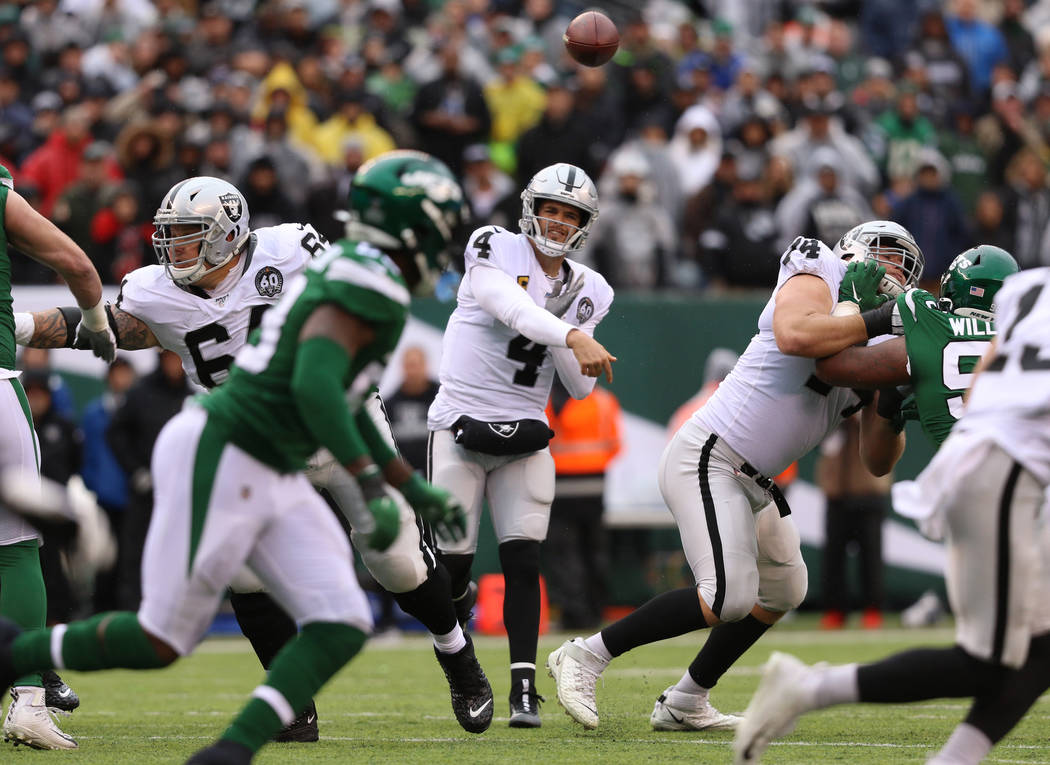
591	38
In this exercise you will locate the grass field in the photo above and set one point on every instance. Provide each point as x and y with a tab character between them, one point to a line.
390	705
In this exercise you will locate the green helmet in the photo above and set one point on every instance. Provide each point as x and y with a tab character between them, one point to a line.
969	285
409	202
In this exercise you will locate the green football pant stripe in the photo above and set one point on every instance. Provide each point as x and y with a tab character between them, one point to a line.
20	392
205	465
104	641
23	599
304	665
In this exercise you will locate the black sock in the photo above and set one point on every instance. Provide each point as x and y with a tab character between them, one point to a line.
263	622
995	714
520	561
926	673
727	643
431	602
458	567
667	615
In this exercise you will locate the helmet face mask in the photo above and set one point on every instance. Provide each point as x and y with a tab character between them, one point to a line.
408	203
969	286
217	217
890	245
563	183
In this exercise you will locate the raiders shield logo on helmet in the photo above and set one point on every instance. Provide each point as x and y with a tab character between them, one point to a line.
504	429
269	281
584	310
231	203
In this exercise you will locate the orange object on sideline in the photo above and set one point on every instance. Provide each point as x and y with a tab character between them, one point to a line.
489	609
586	433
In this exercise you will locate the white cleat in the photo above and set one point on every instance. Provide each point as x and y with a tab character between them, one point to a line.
675	710
29	722
575	669
784	694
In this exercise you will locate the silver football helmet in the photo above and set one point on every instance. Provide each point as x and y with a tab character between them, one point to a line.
563	183
219	215
889	244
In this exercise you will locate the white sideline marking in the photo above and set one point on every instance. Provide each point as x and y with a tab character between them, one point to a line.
654	741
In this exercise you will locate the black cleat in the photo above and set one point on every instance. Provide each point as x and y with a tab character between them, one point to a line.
525	705
303	729
223	752
471	692
464	604
58	695
8	632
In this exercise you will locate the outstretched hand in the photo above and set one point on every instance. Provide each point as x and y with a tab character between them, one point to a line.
594	359
860	284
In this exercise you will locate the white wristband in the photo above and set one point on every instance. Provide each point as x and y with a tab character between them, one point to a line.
25	328
94	318
846	308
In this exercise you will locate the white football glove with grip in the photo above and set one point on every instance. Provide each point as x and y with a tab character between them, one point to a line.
94	332
46	503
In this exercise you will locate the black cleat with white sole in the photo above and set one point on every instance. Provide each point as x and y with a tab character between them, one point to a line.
525	705
471	692
58	695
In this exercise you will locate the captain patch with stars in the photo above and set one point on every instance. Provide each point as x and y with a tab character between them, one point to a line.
269	281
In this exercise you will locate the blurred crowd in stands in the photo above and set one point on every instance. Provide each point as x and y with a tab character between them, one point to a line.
720	131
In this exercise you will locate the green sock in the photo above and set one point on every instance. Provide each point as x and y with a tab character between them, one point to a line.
297	673
104	641
23	599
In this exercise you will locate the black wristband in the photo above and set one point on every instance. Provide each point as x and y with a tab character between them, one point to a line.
72	315
879	321
889	407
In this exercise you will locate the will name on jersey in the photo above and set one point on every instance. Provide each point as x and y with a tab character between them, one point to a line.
489	370
207	330
256	407
943	351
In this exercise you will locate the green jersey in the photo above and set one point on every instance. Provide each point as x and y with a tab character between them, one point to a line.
943	350
7	316
256	406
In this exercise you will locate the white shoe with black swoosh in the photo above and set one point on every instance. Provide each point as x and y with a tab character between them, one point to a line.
575	669
675	710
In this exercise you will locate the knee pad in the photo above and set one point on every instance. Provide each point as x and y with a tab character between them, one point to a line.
782	588
398	571
520	560
740	597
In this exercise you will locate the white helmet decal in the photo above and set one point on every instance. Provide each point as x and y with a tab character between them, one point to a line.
562	183
219	215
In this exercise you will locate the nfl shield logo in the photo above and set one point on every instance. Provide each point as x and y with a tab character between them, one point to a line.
977	291
231	204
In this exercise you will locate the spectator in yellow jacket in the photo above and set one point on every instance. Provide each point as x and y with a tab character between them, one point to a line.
351	119
515	101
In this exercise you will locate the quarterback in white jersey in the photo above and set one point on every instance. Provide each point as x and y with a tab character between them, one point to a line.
524	311
986	486
204	310
736	530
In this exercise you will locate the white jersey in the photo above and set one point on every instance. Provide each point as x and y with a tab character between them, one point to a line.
772	409
207	329
1010	401
488	370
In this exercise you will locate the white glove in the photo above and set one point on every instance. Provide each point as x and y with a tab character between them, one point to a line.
45	503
